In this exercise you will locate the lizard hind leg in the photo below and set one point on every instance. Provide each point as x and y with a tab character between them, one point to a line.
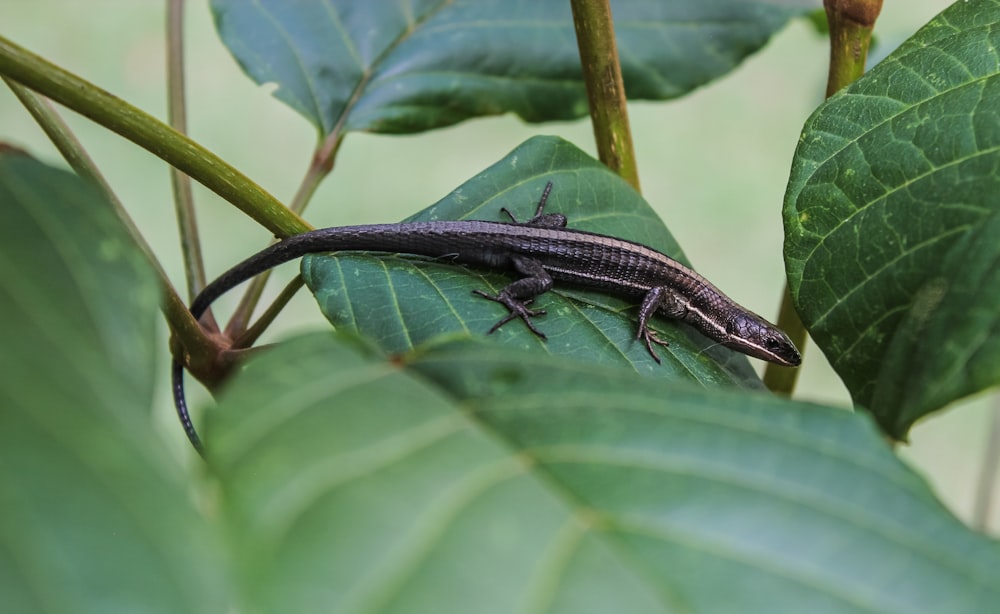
517	295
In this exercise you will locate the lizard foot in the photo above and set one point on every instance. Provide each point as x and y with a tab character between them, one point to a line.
650	336
518	309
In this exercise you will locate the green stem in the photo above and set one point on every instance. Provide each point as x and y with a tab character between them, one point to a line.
174	310
320	167
64	140
988	473
595	37
194	266
851	25
254	332
778	379
151	134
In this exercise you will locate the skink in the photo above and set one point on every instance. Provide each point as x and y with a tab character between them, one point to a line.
542	250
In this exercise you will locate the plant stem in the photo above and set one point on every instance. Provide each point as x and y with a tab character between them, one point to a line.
64	140
194	267
988	472
851	25
174	309
778	379
595	37
150	134
320	167
252	333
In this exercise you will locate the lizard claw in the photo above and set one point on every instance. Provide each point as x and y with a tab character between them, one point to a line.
650	336
518	309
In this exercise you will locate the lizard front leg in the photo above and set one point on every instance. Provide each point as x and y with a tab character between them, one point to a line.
540	219
662	299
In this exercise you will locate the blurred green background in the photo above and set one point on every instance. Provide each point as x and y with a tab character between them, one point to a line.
714	164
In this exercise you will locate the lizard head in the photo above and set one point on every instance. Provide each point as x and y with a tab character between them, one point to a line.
755	336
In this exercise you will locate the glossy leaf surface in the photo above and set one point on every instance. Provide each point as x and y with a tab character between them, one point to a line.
888	220
474	477
96	517
386	66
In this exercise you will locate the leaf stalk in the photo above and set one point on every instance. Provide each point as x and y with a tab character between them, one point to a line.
194	267
602	74
151	134
851	25
174	309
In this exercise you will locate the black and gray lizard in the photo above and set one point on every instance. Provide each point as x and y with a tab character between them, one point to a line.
541	250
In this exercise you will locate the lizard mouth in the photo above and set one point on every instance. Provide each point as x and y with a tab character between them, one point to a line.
778	351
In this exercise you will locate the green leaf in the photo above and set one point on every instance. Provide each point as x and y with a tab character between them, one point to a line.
958	317
474	477
95	516
889	176
407	67
401	302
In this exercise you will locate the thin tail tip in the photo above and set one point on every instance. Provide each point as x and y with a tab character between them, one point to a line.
180	404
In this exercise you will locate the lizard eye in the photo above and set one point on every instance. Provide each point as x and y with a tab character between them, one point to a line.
772	344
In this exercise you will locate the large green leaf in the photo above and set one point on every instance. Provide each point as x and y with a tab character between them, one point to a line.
473	477
893	187
401	302
388	66
95	517
947	345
